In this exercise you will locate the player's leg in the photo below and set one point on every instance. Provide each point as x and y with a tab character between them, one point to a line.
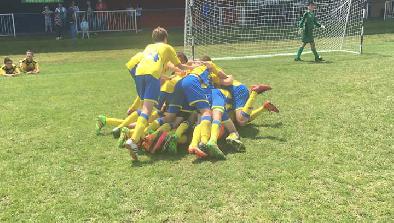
267	106
243	101
299	52
103	121
318	58
233	138
148	89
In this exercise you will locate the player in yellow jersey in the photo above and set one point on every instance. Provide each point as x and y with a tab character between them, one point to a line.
29	65
148	74
9	69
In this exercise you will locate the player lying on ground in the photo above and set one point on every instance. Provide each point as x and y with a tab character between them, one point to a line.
307	25
28	65
9	69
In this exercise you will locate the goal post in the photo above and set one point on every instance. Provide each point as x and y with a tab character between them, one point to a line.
7	25
233	29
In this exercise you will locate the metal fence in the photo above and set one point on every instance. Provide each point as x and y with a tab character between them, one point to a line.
7	25
108	21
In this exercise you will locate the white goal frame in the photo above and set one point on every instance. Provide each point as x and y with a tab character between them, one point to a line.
344	35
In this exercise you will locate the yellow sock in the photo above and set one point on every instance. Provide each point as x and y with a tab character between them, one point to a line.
205	131
215	129
166	127
196	137
113	121
155	115
130	133
130	119
181	129
182	139
256	113
152	126
136	104
249	103
233	135
139	129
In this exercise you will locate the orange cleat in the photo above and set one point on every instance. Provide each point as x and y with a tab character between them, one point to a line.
159	142
270	107
198	152
261	88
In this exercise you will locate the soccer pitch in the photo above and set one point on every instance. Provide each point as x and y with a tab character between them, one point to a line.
327	156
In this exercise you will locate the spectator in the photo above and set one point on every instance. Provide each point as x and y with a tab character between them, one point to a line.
101	6
9	69
63	15
85	28
89	13
139	16
58	25
28	64
48	19
72	20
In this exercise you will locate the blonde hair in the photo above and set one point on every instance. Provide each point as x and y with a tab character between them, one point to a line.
159	34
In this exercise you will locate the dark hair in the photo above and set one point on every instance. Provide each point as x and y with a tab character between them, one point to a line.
30	51
205	58
311	3
182	57
7	59
159	34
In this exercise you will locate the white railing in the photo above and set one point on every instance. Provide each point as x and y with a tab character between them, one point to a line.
388	10
7	25
108	21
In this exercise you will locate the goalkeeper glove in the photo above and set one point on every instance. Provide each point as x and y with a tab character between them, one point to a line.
323	26
300	31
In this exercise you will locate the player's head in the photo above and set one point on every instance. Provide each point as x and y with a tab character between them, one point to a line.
311	5
159	35
29	54
182	57
8	62
205	58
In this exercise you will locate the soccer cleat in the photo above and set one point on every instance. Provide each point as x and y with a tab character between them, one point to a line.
319	59
123	137
171	144
297	59
150	140
214	151
100	123
261	88
236	143
270	107
133	149
116	132
160	142
197	151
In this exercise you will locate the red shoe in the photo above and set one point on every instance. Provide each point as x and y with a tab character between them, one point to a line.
260	88
270	107
159	142
149	142
198	152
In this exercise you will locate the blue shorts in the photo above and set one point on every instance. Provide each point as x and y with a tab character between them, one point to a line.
240	95
163	98
148	87
189	91
218	100
178	102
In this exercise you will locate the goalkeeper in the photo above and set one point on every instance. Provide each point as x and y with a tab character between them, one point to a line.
307	25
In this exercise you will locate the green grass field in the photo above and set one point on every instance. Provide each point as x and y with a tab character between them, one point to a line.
327	156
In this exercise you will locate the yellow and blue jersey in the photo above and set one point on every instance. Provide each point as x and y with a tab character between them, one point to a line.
154	58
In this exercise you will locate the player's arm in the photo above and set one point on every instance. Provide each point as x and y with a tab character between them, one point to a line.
301	25
16	71
317	24
134	61
37	70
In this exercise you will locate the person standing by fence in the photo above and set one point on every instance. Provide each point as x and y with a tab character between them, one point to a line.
58	25
72	20
48	19
100	7
63	16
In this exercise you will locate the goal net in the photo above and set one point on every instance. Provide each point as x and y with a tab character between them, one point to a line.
231	29
7	25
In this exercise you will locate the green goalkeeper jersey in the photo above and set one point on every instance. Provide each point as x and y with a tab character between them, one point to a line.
307	24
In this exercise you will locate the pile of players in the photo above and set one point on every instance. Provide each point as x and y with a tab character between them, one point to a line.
177	97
